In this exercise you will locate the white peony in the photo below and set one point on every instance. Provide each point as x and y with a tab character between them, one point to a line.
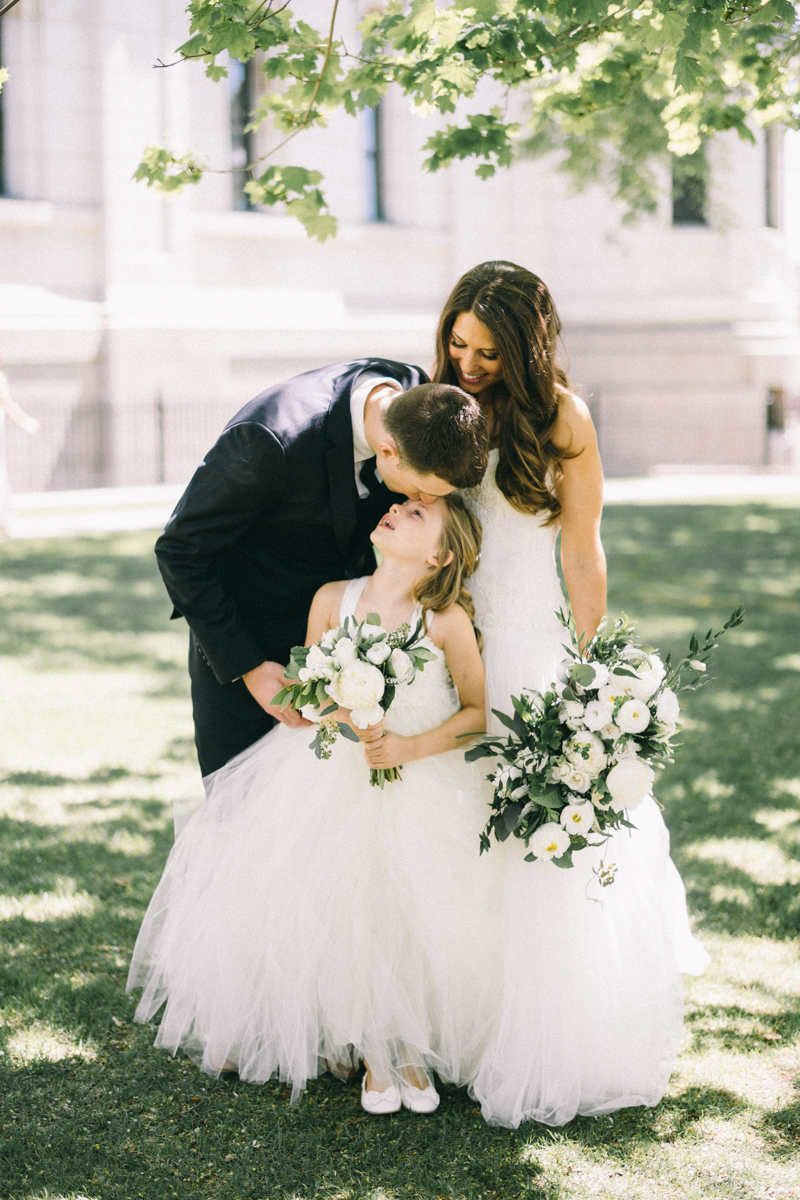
379	652
364	717
401	665
667	707
549	841
598	714
630	782
344	652
633	716
611	732
358	685
586	751
578	818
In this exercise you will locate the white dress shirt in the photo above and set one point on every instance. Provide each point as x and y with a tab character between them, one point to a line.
362	450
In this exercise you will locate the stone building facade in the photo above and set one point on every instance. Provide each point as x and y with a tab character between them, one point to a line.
134	325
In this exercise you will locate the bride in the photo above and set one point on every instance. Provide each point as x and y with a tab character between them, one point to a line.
593	995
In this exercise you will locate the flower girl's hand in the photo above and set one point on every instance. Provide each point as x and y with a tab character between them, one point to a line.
391	751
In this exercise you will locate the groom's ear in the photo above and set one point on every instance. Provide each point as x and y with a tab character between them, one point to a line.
387	450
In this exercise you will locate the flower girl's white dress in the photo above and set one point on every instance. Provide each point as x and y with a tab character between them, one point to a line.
305	915
593	1000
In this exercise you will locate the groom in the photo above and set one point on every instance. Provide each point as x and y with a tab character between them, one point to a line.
284	502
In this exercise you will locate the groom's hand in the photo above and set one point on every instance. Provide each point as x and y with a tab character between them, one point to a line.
266	681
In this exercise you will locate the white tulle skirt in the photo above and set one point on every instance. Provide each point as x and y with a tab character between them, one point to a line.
305	916
593	990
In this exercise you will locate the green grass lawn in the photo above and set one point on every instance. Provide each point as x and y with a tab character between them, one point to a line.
95	745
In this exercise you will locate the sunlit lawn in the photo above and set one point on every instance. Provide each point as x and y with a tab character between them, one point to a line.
95	746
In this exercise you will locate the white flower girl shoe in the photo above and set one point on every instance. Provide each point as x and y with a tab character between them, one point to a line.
380	1103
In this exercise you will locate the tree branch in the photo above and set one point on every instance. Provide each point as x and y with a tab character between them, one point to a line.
11	4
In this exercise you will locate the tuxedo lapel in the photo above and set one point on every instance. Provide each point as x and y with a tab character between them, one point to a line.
341	467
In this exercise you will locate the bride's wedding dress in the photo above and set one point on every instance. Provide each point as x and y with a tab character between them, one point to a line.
304	916
593	993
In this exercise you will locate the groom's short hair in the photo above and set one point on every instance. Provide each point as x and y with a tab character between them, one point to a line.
440	430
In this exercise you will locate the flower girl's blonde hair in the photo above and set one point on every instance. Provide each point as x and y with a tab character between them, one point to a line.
459	552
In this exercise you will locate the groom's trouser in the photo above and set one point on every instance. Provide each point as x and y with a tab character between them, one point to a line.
226	717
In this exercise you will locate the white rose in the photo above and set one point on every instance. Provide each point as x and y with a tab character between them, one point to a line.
667	707
344	652
561	772
320	665
358	685
365	716
633	717
578	818
645	684
572	711
304	675
310	712
696	665
611	732
629	782
379	652
549	841
600	676
328	639
401	665
579	780
598	714
586	751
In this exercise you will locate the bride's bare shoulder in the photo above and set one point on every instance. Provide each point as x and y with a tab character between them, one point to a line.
574	429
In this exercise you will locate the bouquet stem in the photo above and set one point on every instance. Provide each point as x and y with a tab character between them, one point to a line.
384	775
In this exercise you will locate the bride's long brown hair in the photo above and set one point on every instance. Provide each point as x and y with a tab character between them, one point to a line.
517	309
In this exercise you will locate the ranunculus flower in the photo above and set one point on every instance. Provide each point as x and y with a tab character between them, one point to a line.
401	665
379	652
577	818
344	652
358	685
630	782
586	751
549	841
598	713
633	717
667	707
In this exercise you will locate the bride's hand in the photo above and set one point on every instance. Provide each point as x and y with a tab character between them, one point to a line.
372	733
392	750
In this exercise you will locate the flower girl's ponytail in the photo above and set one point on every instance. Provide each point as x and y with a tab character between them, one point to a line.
460	550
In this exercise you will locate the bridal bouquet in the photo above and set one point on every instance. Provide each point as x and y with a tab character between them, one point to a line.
357	666
581	756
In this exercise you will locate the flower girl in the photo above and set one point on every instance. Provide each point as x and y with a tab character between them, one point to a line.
305	918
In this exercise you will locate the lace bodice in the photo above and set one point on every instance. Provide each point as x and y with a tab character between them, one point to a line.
430	698
516	582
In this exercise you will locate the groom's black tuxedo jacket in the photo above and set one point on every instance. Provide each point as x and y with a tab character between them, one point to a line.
271	514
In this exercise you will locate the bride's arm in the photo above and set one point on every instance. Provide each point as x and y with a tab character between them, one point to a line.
453	632
581	494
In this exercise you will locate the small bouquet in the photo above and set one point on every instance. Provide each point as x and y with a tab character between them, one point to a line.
581	756
357	666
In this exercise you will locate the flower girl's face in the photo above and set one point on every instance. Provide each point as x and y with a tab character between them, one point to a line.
411	532
473	354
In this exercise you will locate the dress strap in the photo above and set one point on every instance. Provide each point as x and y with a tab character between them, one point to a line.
351	597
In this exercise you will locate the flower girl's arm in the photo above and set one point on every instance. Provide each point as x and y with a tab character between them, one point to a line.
324	614
453	632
